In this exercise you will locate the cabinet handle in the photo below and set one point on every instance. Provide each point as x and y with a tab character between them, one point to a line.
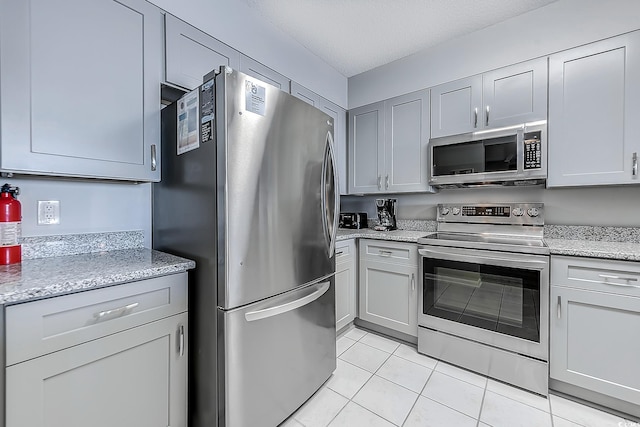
634	168
386	182
487	117
181	340
385	253
339	252
379	182
559	307
116	311
413	281
628	279
154	164
475	119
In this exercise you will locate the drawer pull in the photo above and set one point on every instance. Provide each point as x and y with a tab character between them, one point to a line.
116	311
413	281
339	252
385	253
628	279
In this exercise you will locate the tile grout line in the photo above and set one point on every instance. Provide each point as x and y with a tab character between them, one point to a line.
484	394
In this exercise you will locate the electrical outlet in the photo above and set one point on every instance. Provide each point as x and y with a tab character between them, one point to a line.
48	212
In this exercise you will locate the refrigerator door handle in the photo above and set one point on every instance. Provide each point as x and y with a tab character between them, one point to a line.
330	191
292	305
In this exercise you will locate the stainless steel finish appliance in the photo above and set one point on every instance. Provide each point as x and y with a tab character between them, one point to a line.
386	210
253	199
515	155
484	299
355	220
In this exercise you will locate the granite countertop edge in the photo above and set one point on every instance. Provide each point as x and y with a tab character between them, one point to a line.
54	276
626	251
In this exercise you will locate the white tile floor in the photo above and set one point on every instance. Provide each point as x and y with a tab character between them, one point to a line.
380	382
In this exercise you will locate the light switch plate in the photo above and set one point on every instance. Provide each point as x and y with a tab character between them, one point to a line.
48	212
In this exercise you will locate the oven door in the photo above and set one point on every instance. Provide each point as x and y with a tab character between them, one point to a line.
499	299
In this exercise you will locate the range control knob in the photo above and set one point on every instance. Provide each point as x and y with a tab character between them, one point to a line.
533	212
517	212
455	211
444	210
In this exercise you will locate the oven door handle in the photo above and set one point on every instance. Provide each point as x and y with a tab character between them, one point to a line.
507	262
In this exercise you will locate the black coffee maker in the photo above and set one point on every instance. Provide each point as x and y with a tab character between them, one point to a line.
386	209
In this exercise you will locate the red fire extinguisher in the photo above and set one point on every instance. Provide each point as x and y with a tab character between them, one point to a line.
10	225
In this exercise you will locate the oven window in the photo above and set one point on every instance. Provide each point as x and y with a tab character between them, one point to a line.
495	298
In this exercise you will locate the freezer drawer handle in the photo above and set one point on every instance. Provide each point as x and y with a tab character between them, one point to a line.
283	308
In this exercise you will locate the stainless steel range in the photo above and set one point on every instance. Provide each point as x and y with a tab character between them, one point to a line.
484	299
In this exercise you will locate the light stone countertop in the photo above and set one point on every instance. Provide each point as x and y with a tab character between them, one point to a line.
626	251
629	251
410	236
52	276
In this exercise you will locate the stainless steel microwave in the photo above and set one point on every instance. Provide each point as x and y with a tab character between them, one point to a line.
514	155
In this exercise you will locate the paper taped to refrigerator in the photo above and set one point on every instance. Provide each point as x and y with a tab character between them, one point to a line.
188	117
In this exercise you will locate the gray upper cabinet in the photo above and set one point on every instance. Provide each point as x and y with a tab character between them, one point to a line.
594	105
190	54
80	88
339	115
255	69
456	107
366	148
405	142
388	145
305	94
506	96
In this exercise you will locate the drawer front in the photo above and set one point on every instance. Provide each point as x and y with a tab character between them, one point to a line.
397	253
612	276
41	327
345	250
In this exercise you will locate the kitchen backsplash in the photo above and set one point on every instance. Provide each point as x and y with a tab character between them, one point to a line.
74	244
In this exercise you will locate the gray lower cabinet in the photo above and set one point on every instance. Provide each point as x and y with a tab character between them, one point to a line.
594	104
80	88
595	319
506	96
190	54
388	280
346	262
104	357
388	145
253	68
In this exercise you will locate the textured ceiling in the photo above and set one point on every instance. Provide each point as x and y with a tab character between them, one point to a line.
357	35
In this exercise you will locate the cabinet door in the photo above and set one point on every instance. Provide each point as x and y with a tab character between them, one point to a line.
305	94
345	283
137	377
388	296
456	107
190	54
253	68
515	94
594	341
339	116
366	148
80	88
594	105
406	139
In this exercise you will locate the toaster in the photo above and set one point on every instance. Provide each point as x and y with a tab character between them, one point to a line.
353	220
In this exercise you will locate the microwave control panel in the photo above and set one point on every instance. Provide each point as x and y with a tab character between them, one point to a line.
532	150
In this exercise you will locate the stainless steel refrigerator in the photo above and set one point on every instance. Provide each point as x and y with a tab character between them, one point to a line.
249	191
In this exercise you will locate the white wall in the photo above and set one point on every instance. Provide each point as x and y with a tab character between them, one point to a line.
555	27
85	206
235	24
613	206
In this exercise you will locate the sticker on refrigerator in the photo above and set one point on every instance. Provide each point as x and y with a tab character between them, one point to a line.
188	113
207	110
255	97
